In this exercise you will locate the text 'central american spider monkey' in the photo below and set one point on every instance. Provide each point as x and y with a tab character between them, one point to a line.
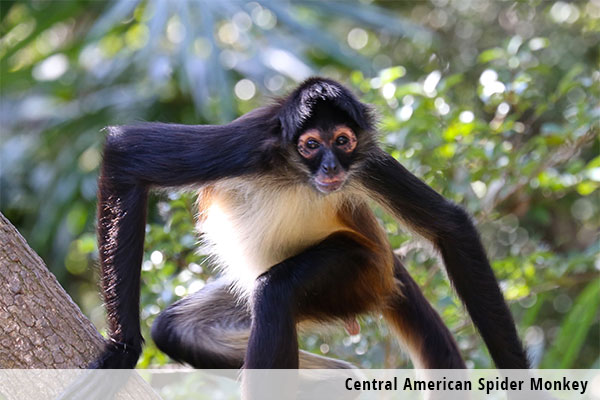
284	193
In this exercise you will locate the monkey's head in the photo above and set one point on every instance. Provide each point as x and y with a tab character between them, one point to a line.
330	130
327	145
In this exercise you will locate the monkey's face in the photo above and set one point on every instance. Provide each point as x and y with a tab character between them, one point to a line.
328	153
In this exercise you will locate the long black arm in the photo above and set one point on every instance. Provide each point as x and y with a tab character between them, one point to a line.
451	230
137	158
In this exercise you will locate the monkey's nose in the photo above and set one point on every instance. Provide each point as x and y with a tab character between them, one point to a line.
330	168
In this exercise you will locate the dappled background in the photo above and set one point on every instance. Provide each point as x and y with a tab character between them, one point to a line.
493	104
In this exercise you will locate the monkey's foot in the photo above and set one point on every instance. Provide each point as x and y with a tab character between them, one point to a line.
117	356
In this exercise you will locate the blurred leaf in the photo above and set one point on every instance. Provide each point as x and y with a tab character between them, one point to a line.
391	74
574	328
373	16
120	10
319	39
567	81
491	55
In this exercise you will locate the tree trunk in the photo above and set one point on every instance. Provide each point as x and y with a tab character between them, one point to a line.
41	327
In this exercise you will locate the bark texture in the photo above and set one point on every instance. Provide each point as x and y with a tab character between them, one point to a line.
40	326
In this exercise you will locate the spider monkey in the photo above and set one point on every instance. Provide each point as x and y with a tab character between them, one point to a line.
284	193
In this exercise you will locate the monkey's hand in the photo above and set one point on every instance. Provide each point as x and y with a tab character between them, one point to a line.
117	355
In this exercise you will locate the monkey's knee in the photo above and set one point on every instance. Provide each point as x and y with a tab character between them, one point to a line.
197	343
208	329
165	335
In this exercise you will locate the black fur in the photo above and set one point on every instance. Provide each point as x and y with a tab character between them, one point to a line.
137	158
301	288
326	117
299	106
187	328
148	155
450	228
168	339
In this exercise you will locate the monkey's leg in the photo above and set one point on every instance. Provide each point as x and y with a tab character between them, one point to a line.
429	342
207	329
337	278
210	329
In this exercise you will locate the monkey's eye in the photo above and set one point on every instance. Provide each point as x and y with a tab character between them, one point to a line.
312	144
341	140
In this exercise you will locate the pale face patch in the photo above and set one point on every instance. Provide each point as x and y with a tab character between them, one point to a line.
309	143
344	139
312	141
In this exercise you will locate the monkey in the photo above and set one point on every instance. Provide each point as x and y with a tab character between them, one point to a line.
285	195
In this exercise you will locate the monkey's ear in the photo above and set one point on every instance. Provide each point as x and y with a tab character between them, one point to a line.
298	106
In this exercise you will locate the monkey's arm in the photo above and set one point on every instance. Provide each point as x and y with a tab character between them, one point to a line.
137	158
451	230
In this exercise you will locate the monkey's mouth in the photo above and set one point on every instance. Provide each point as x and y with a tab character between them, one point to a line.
328	185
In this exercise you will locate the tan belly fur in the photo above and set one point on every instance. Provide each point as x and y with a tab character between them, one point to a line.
247	226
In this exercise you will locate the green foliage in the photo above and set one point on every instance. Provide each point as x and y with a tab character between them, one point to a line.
494	104
574	329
